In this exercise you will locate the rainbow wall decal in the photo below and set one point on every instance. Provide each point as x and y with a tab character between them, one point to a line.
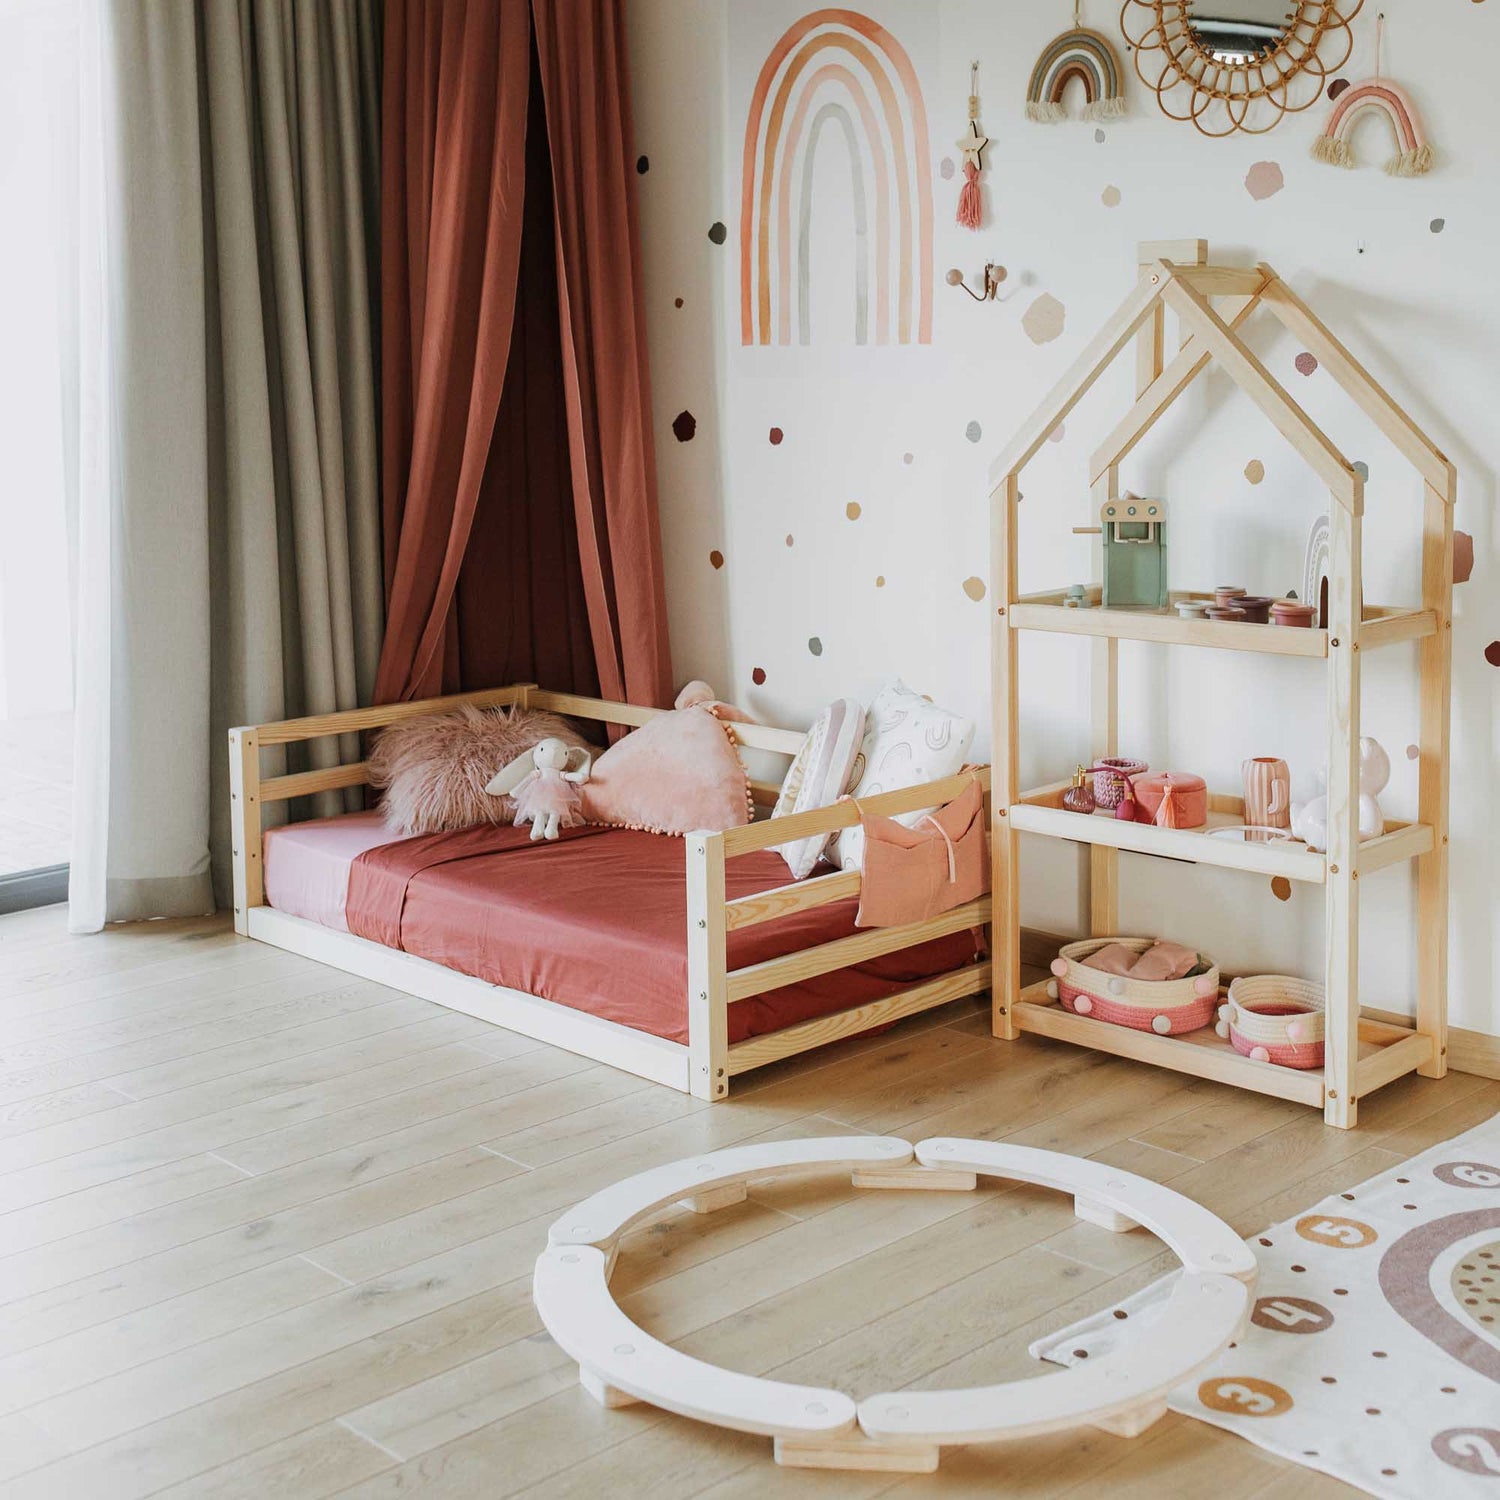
1413	155
1087	56
837	67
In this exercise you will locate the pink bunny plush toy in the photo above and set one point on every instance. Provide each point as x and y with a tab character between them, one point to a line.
545	783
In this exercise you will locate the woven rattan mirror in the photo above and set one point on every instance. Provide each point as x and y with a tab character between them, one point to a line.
1231	65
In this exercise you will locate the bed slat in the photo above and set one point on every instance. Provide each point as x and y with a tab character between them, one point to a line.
839	954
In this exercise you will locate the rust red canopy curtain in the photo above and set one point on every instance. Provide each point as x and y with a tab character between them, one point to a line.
494	422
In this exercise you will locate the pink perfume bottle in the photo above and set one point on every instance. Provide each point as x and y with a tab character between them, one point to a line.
1079	797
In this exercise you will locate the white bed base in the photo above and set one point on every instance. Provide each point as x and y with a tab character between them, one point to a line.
707	1062
815	1427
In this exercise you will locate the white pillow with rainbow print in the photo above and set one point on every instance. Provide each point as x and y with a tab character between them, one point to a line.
907	740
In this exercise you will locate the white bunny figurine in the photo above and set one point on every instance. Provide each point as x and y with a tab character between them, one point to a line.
545	784
1310	819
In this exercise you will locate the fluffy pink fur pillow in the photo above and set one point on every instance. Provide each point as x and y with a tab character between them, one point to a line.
433	769
677	773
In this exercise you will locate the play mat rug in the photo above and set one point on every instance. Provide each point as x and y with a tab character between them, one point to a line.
1374	1347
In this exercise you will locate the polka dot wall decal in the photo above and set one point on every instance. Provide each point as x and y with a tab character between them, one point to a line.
1437	225
1058	433
684	425
1492	653
1281	888
1306	363
1413	752
906	458
1255	471
676	301
815	645
643	164
776	435
1337	87
716	558
1463	557
758	676
1264	180
973	432
1110	197
946	169
789	539
880	580
717	232
1098	137
974	588
853	510
1044	319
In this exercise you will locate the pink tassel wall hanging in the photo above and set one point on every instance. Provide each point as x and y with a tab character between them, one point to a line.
972	143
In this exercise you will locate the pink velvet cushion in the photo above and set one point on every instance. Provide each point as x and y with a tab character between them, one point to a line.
433	769
677	773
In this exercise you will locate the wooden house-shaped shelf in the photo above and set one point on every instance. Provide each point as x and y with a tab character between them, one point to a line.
1212	303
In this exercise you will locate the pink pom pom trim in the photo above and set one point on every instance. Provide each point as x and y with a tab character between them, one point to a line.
1060	967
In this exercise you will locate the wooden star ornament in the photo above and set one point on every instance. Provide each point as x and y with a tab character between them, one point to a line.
972	142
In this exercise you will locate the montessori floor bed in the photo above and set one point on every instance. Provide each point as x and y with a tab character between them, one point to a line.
686	961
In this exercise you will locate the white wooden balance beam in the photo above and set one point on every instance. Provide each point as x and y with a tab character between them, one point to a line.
903	1431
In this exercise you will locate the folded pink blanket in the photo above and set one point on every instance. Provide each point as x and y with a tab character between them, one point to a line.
1162	960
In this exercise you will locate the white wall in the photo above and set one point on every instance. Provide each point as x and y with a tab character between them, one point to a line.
1421	308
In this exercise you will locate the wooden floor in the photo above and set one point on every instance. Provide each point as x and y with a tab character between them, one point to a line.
268	1231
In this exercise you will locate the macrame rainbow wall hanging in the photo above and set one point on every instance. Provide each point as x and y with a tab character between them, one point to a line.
1087	56
1413	156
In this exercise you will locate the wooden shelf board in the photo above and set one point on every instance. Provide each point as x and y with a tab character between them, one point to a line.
1041	812
1381	626
1385	1052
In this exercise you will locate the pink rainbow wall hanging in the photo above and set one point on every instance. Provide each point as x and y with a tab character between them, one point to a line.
838	68
1413	155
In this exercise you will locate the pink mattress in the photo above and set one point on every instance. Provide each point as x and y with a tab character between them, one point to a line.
597	920
307	864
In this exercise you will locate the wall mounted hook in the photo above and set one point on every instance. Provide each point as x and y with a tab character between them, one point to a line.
993	276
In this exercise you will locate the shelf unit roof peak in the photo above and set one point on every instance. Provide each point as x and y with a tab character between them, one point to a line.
1211	333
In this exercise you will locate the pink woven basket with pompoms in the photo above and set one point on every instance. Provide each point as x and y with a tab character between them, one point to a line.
1168	1007
1275	1018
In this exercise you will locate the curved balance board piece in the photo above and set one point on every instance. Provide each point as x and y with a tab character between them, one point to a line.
1124	1391
714	1180
1202	1241
571	1291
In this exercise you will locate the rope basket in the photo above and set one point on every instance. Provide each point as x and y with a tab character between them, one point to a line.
1168	1007
1275	1018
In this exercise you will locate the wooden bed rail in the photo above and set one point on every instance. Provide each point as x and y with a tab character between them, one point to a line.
845	814
712	986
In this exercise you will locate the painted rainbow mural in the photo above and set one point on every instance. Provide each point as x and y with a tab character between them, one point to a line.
1413	155
837	68
1087	56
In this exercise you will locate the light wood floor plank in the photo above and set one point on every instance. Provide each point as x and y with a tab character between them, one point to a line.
49	1179
268	1231
322	1461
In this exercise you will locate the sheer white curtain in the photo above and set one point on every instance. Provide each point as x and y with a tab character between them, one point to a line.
228	551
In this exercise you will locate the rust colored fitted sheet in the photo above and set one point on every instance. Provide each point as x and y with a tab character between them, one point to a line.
597	920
